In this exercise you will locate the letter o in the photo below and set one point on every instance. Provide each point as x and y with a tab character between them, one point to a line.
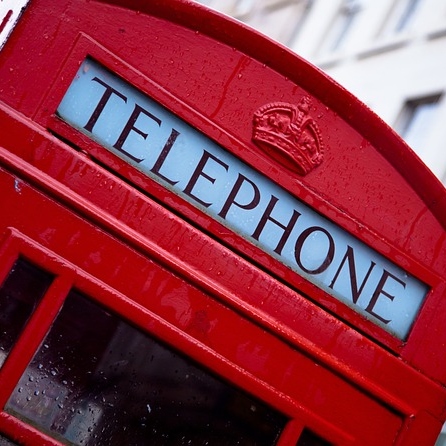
298	249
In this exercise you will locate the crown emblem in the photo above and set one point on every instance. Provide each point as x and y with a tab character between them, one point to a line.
288	134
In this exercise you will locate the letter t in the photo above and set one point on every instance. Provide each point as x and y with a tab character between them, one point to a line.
102	103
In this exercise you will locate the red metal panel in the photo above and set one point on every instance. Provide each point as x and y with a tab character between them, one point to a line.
255	352
395	212
68	240
336	343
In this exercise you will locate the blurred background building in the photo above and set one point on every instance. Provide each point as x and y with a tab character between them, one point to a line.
391	54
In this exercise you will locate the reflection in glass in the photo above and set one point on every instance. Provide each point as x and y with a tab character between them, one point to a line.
5	442
96	380
20	293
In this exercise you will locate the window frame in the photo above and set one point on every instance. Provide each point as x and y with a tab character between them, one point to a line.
410	111
67	278
400	17
340	27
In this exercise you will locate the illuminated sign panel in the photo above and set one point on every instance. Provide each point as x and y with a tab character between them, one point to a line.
162	146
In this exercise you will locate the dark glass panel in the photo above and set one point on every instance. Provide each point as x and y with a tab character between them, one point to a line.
97	380
309	438
5	442
20	293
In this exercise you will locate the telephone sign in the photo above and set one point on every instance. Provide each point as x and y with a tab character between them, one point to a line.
205	240
152	139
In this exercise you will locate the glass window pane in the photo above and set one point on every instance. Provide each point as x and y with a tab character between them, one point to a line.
97	380
5	442
341	26
20	293
416	121
419	125
309	438
407	15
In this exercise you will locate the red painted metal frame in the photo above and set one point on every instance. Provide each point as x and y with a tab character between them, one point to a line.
218	350
370	183
379	228
189	14
392	383
85	47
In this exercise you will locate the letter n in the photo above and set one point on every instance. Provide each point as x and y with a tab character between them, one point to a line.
350	259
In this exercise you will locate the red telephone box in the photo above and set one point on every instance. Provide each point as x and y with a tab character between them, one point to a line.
205	240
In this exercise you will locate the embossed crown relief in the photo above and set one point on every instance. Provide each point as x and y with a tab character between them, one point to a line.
289	135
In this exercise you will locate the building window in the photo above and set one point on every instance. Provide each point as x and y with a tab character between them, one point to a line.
242	8
235	8
407	15
401	16
301	16
341	26
415	121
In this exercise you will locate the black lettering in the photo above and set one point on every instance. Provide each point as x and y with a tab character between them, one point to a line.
130	126
349	256
231	200
109	91
163	155
267	216
328	258
199	173
380	290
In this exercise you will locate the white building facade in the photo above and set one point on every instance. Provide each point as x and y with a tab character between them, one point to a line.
391	54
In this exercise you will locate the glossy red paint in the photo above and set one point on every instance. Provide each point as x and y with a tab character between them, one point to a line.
99	225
